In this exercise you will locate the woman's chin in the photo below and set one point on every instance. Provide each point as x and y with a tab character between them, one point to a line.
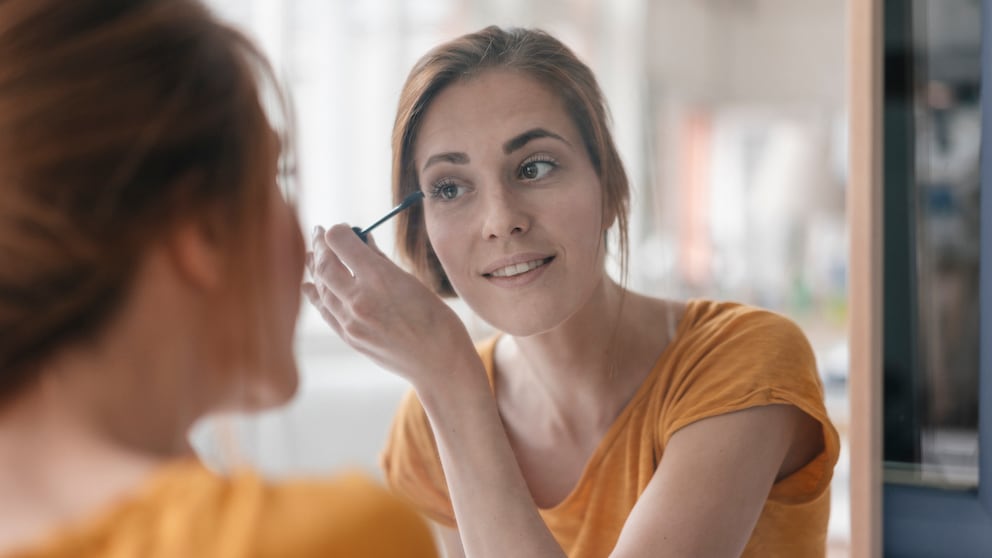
275	390
526	324
282	392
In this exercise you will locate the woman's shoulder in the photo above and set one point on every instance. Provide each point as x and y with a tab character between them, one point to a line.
727	311
707	320
732	348
187	510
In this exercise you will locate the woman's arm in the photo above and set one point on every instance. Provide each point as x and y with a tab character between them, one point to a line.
703	500
495	512
712	483
384	312
450	542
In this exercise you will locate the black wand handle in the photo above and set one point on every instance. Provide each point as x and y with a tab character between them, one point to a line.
408	201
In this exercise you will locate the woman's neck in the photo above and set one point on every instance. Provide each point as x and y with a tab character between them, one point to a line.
93	425
58	468
581	342
586	369
105	412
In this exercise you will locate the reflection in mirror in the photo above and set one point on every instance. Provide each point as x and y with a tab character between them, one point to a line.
729	116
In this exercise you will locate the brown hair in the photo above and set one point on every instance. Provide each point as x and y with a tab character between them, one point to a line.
118	118
536	54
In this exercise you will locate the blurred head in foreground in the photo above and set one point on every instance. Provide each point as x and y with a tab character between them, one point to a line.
148	256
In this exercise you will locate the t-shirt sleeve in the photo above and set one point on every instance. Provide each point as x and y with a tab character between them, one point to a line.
412	465
740	358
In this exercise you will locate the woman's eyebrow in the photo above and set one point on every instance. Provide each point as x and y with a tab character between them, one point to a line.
521	140
513	144
453	157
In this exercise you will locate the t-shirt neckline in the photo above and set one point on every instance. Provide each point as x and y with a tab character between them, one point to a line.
613	432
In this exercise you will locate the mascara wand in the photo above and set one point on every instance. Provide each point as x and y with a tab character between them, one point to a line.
408	201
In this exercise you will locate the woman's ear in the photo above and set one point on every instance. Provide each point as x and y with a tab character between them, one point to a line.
195	249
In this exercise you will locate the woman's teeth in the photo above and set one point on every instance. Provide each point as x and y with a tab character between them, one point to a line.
517	269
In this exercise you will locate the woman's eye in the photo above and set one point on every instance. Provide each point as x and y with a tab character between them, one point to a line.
536	169
446	191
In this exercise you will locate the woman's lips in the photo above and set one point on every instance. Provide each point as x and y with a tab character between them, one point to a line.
513	270
519	273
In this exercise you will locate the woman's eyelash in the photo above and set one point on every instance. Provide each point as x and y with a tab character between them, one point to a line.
540	159
447	189
531	163
438	188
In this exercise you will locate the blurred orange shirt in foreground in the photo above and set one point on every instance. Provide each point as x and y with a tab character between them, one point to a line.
187	511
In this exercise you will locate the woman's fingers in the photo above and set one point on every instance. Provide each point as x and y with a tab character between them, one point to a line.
308	262
370	240
381	310
350	250
375	306
344	301
328	270
312	292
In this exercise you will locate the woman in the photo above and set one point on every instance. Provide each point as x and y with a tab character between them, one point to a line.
149	276
588	427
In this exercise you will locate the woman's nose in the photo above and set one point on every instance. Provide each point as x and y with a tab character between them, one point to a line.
504	214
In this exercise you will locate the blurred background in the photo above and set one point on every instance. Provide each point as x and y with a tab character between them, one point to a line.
729	114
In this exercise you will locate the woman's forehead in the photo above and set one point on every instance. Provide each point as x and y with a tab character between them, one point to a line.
492	107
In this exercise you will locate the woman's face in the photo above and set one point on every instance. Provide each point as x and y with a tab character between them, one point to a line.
513	204
273	378
285	261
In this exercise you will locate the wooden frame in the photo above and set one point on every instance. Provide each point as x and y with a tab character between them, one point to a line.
908	521
865	296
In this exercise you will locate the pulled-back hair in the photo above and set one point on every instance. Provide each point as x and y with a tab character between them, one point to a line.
118	119
538	56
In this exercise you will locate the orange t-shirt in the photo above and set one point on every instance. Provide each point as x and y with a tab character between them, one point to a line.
186	511
725	357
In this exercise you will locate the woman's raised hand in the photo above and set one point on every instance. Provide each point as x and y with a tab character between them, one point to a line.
383	311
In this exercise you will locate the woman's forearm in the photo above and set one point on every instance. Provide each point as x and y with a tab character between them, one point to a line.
495	512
